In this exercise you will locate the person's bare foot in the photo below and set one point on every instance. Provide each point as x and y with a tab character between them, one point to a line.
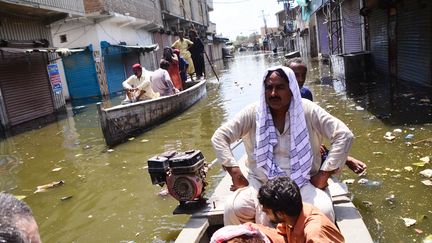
356	165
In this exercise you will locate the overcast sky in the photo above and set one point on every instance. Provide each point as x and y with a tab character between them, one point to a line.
243	17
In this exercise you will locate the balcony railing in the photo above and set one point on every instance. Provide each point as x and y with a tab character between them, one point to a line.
65	6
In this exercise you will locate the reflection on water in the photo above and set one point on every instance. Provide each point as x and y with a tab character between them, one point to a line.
112	196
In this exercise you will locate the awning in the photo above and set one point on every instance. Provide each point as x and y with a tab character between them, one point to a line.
41	49
149	48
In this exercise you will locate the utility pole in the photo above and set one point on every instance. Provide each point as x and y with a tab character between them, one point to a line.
265	21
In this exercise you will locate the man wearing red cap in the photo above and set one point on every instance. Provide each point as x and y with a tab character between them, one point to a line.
138	86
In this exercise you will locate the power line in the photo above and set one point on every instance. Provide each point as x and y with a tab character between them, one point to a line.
232	2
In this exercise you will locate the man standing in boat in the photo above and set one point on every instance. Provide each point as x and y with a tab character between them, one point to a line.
282	135
297	221
138	86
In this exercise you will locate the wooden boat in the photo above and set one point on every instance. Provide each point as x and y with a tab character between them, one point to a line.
123	121
204	223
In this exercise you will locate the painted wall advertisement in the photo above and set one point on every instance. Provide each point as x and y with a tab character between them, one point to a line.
54	76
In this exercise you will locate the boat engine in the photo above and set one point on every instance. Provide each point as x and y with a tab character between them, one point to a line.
183	172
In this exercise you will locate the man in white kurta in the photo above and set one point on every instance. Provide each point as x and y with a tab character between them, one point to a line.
138	86
243	206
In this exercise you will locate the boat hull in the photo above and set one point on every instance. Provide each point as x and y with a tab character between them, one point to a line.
204	223
121	122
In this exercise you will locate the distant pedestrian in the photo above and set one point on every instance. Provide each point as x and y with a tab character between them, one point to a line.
183	45
161	80
174	68
197	52
17	223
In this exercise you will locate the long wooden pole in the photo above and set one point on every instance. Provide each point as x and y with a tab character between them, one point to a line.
211	65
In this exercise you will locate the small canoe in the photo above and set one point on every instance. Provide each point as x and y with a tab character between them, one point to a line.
121	122
204	223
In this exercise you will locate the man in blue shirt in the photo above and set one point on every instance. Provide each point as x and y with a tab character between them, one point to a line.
300	69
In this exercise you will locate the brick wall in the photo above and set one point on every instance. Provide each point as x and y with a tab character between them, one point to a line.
142	9
95	6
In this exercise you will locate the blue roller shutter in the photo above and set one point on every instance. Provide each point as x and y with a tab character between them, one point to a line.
115	72
114	66
81	75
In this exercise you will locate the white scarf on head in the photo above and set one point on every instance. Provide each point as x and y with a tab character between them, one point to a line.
266	137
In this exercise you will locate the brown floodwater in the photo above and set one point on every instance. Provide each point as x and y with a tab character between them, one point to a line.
111	195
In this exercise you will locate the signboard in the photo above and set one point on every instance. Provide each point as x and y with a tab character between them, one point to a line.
54	77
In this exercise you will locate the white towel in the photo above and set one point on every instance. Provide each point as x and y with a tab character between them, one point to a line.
266	137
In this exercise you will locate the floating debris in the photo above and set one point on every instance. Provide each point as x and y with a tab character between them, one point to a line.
367	203
418	231
80	107
144	141
48	186
428	239
132	138
110	150
359	108
348	181
363	181
391	199
425	159
377	153
19	197
420	164
163	192
66	198
389	136
329	106
397	130
78	155
409	136
427	182
408	221
87	147
56	169
426	173
408	168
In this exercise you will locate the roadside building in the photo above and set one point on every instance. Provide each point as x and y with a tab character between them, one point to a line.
113	35
30	82
393	38
185	15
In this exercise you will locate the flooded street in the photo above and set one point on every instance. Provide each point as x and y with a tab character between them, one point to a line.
108	195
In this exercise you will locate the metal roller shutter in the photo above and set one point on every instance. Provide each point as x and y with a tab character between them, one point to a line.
130	59
351	26
378	23
322	33
414	41
114	68
81	75
25	86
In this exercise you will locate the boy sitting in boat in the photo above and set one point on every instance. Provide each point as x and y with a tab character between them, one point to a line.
138	86
297	221
161	80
